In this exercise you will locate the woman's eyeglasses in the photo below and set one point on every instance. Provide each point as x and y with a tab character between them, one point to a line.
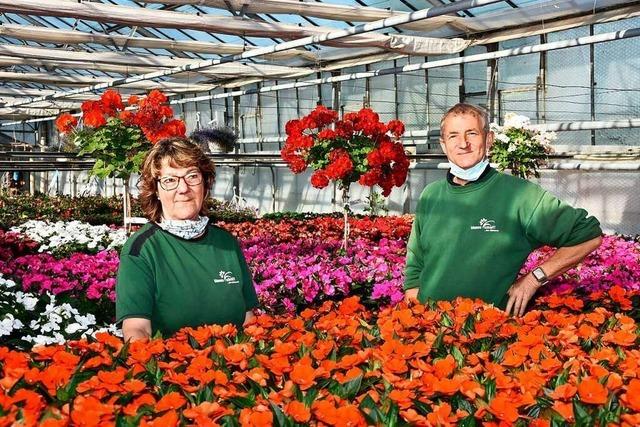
169	183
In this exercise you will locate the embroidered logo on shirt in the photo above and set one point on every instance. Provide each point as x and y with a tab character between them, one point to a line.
488	225
226	277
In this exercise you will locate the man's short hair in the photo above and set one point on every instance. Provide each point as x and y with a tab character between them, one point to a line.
463	108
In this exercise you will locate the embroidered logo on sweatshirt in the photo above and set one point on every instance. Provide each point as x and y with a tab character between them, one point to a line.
487	225
226	277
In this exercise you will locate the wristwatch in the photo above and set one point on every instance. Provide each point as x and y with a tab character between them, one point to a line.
539	274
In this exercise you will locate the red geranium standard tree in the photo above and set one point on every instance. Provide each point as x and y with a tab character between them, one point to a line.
117	138
358	148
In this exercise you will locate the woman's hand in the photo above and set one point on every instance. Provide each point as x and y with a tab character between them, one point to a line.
248	317
136	328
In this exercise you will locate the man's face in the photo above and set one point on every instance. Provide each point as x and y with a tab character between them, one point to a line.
463	140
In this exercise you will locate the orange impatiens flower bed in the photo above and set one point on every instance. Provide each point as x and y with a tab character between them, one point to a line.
458	363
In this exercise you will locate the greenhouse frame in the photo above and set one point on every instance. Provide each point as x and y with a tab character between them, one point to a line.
326	271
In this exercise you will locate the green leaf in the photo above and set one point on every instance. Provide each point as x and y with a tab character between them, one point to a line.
446	321
310	397
458	356
422	408
242	402
280	418
371	412
498	353
392	415
468	421
229	421
350	389
490	389
581	414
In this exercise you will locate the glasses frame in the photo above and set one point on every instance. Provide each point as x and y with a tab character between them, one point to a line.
183	177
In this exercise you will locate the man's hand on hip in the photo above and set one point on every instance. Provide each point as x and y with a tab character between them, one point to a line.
411	295
520	293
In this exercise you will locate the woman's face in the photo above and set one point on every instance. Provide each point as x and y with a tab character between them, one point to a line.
184	201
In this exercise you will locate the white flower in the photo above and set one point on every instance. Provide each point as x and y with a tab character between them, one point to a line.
8	324
55	235
6	283
57	338
112	329
73	328
502	137
27	300
516	121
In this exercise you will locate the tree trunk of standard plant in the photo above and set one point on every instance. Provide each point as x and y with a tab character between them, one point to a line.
345	208
126	205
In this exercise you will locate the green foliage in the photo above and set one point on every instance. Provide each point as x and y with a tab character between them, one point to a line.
118	149
376	204
95	210
519	147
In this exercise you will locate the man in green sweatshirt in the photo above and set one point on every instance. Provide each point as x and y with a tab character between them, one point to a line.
474	230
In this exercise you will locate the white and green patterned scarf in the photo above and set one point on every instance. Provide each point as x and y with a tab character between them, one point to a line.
186	229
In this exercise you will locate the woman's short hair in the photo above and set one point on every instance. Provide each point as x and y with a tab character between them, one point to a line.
181	153
473	110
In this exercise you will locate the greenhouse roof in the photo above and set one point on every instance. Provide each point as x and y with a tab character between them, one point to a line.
60	45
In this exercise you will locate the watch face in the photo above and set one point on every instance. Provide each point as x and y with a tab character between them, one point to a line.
539	274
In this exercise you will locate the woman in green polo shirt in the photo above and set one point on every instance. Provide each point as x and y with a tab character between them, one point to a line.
178	270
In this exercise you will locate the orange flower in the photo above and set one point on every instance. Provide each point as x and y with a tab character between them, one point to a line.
277	365
210	411
614	381
134	386
322	349
89	411
618	294
325	411
351	374
441	415
66	122
503	409
471	389
622	338
591	391
349	306
298	411
632	396
350	415
404	398
564	392
303	374
444	367
285	349
539	423
448	386
395	366
170	419
259	416
564	409
173	400
132	408
111	102
587	332
531	380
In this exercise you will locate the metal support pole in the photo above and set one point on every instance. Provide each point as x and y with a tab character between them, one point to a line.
236	125
492	78
592	77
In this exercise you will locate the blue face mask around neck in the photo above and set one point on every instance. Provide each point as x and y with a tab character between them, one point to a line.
470	174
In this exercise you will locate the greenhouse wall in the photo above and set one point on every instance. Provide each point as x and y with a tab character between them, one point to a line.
611	196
